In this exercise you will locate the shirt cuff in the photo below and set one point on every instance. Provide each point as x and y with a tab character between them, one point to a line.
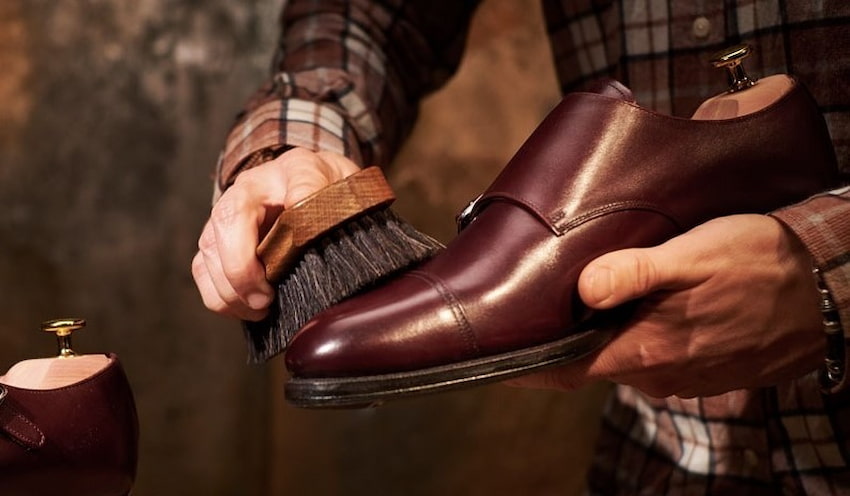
278	125
823	225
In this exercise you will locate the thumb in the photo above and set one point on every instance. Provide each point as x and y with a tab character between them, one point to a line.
620	276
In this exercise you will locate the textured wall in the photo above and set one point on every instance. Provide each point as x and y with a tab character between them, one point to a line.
111	117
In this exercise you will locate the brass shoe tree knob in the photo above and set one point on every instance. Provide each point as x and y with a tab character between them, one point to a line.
731	59
63	328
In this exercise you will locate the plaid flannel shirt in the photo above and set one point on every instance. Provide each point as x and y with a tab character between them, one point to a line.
348	77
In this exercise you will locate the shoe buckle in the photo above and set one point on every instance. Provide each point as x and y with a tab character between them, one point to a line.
465	217
3	393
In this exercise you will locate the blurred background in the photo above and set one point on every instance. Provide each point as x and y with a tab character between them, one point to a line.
111	117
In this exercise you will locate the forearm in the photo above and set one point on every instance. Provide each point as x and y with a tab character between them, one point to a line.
347	78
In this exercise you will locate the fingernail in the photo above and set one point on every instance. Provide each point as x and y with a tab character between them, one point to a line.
258	301
601	284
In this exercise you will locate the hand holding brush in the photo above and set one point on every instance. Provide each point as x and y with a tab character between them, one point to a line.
335	237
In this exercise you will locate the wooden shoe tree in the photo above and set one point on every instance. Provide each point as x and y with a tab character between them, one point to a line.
63	370
744	96
735	104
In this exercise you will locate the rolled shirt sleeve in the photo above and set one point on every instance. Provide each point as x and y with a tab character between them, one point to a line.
347	77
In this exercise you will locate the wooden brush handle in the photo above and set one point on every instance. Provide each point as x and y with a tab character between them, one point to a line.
325	210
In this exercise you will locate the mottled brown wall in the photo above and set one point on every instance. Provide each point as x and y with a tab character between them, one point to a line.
110	120
111	115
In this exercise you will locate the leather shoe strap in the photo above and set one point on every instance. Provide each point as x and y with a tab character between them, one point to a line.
16	425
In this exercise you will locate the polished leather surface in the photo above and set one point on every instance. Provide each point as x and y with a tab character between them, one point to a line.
600	173
78	440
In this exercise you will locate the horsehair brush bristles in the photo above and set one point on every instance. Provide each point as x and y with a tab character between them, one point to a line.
336	243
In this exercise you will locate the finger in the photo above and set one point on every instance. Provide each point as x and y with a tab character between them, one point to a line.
209	294
566	378
624	275
218	293
211	297
619	276
617	362
236	220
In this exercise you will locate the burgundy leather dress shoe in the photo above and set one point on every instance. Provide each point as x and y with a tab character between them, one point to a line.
76	440
599	174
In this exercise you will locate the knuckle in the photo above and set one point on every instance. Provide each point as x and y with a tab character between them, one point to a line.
296	159
228	298
229	208
653	356
296	153
251	175
239	278
206	245
198	267
325	155
214	304
211	299
645	273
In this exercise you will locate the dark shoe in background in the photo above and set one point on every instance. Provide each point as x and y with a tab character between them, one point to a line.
76	439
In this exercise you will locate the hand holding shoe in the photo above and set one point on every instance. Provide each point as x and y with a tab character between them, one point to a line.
730	304
226	269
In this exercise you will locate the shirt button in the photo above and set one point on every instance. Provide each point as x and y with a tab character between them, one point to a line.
701	27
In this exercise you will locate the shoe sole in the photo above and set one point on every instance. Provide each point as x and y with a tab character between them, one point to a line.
374	390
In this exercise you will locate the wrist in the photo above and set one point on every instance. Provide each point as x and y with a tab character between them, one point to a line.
226	177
